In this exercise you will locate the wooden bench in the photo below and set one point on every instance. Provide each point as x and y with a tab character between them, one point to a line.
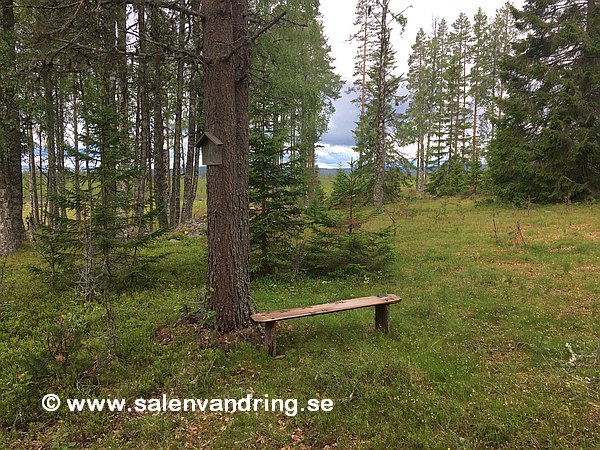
382	314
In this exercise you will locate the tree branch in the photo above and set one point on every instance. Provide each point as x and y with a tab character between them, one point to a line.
256	35
174	6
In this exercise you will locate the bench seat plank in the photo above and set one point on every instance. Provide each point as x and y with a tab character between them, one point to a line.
326	308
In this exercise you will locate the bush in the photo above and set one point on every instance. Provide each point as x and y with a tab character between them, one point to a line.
337	254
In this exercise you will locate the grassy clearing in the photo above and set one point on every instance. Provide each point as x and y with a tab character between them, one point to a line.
476	357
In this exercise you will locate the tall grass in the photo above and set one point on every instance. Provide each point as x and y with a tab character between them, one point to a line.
477	355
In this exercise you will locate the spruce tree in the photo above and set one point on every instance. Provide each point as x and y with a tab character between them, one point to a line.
547	145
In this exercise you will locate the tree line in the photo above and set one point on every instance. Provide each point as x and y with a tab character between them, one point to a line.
107	102
509	104
547	142
120	86
506	105
454	85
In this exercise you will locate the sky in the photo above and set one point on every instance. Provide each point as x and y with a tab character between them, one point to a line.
338	19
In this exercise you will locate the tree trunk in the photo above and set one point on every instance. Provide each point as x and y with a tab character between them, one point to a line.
60	154
188	178
474	155
191	167
380	151
77	172
120	19
176	180
41	183
11	188
143	116
161	183
226	109
50	122
34	217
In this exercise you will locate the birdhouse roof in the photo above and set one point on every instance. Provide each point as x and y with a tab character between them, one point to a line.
207	135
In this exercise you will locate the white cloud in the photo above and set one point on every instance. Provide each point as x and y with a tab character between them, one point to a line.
338	19
338	22
334	156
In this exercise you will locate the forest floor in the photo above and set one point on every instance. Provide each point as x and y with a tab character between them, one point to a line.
496	344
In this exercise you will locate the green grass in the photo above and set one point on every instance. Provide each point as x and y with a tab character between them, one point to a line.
476	356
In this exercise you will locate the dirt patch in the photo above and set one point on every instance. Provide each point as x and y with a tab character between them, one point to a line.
578	227
594	413
517	264
588	269
163	335
504	351
567	248
593	236
251	334
521	268
575	303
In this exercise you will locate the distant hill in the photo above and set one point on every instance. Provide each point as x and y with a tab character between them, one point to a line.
202	171
333	171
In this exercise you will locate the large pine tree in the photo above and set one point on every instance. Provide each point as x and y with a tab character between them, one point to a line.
374	70
548	140
11	191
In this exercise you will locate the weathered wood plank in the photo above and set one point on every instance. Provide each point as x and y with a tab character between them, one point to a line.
271	338
326	308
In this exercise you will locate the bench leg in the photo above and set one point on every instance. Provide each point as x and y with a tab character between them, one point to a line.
271	338
382	317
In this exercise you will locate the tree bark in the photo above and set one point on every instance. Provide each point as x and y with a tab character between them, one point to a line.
191	168
161	183
12	231
60	153
188	178
380	151
77	172
50	123
143	117
34	217
226	109
176	180
120	18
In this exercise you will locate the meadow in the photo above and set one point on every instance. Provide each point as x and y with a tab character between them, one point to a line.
496	344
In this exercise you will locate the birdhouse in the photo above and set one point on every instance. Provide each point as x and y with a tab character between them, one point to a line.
212	149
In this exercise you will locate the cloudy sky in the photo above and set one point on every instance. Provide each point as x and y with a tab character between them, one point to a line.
338	17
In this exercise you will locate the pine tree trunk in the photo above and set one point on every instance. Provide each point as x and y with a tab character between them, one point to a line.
11	188
60	155
195	173
143	114
176	180
188	178
189	194
418	165
474	155
161	183
380	151
226	111
34	217
77	172
50	122
424	172
41	183
120	18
